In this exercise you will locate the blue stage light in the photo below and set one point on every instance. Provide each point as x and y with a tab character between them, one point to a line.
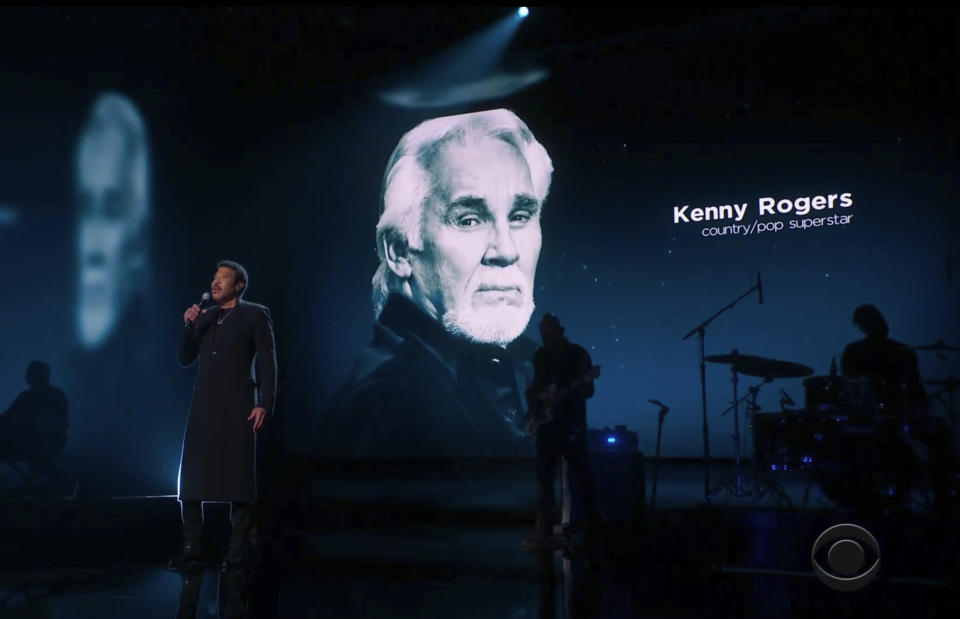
523	11
611	439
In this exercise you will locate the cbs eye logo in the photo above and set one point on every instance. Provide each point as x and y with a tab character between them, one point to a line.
842	548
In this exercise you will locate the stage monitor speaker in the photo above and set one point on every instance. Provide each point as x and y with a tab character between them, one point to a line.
618	479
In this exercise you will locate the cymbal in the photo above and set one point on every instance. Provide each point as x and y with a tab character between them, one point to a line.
751	365
938	345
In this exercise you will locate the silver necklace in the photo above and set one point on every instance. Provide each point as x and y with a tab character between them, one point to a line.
225	316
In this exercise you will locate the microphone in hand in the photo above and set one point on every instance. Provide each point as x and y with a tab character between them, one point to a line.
190	316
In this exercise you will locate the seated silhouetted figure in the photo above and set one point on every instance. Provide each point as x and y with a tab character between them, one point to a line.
33	430
893	370
889	365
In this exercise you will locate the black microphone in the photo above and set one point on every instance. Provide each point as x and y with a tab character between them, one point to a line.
203	299
663	413
760	287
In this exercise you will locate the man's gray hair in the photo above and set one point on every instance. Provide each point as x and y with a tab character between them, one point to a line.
407	182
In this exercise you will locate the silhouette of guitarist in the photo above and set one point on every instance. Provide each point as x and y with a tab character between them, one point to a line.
547	400
562	382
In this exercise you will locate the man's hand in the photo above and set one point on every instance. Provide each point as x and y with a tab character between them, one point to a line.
257	415
192	313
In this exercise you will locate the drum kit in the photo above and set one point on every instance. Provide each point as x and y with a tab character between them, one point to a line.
856	444
843	434
947	385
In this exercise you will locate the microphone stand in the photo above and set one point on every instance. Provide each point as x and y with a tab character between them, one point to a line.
656	460
700	330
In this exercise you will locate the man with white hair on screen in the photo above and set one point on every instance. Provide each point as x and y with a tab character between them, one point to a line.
126	406
458	240
113	224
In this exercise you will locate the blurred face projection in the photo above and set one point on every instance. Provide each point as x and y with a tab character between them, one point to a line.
473	203
113	215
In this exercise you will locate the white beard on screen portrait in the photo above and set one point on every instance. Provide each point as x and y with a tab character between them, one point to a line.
499	324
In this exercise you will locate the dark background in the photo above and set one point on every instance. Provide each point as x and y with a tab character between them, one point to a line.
269	138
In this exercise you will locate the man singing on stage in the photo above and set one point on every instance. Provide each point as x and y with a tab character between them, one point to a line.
229	405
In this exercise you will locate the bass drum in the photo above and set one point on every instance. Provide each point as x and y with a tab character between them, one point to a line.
783	441
864	466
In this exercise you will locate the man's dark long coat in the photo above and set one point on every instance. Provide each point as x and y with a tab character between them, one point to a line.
218	462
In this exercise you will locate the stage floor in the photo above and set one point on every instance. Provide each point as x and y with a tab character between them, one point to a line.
736	557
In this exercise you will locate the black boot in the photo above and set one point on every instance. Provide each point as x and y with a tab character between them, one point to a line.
233	561
188	558
189	555
241	519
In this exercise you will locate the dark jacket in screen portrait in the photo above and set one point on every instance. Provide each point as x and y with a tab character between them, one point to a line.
126	405
417	391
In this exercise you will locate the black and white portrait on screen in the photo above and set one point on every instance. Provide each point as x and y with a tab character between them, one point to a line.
458	242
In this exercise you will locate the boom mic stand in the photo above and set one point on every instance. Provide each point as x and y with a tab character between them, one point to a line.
700	330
